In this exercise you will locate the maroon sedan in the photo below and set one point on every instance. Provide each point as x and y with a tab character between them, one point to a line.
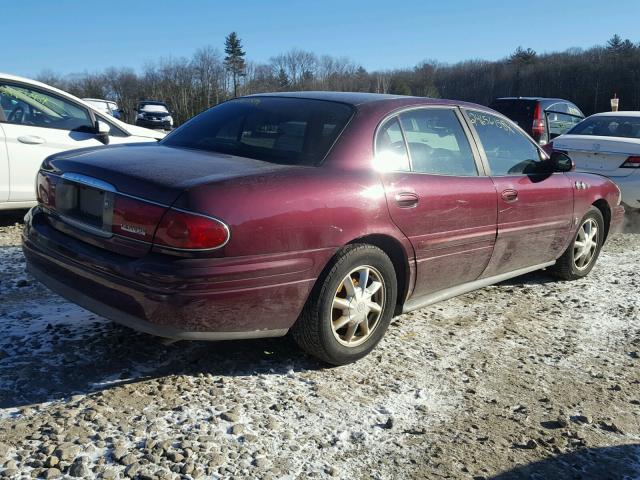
319	214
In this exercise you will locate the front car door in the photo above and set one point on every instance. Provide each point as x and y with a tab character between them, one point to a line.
535	207
4	164
437	195
37	124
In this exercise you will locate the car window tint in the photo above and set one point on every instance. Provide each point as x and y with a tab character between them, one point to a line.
28	106
560	123
437	143
391	151
288	131
508	151
609	126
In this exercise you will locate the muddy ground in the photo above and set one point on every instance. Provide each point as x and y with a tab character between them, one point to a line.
532	378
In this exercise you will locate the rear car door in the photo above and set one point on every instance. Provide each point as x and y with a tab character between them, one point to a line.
437	195
535	207
39	123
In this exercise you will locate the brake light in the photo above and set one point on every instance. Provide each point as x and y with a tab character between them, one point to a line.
135	218
189	231
632	162
538	123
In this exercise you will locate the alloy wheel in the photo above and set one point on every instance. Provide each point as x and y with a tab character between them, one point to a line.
586	244
357	306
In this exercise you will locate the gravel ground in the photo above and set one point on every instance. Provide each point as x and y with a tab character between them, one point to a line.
531	378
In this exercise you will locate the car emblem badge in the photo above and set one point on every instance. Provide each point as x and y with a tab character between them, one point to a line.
133	229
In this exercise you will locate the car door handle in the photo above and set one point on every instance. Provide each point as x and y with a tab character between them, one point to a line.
509	195
407	199
31	140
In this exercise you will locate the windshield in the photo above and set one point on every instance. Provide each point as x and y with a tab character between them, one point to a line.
153	107
290	131
608	126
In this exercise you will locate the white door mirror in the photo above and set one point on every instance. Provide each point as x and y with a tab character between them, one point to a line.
103	128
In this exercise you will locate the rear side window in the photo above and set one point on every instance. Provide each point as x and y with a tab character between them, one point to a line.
437	143
391	151
289	131
508	151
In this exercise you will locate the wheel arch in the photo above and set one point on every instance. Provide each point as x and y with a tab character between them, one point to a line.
396	252
602	205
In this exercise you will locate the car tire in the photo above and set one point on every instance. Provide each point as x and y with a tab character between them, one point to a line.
321	329
581	255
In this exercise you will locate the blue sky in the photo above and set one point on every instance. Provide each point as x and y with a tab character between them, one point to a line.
73	36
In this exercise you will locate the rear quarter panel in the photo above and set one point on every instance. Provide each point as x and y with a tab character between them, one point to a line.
309	213
597	189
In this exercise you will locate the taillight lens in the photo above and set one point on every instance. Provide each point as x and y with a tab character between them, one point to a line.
538	123
135	218
631	162
190	231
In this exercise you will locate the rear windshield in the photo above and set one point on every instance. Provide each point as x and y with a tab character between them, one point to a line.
520	111
289	131
608	126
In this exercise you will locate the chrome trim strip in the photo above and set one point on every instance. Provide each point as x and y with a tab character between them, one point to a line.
451	292
89	181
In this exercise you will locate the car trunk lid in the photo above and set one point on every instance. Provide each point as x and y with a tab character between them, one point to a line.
115	197
599	154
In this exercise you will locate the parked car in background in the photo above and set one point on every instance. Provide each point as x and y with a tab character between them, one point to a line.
154	114
542	118
105	106
37	120
323	214
608	144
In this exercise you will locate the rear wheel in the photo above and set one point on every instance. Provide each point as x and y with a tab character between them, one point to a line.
350	307
581	255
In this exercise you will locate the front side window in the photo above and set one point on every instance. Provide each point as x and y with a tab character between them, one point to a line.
391	151
437	143
508	151
288	131
560	123
609	126
28	106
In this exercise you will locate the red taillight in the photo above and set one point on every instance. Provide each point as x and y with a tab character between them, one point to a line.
189	231
135	218
631	162
538	123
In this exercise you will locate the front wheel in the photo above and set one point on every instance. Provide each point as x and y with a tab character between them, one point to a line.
581	255
350	307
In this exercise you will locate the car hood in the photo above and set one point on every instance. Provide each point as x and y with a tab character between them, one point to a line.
156	172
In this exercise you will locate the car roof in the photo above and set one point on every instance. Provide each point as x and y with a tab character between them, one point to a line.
627	113
361	98
552	99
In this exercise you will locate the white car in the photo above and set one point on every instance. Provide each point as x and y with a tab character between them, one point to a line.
104	106
37	120
608	144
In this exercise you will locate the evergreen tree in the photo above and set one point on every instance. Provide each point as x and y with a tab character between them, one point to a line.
283	79
234	61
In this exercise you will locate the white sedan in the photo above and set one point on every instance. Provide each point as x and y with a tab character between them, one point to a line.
608	144
37	120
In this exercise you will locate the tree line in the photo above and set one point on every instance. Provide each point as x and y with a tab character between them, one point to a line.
587	77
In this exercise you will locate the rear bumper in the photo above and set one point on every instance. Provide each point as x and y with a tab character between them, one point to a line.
193	298
630	189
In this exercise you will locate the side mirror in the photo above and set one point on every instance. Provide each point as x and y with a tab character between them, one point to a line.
102	131
561	162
